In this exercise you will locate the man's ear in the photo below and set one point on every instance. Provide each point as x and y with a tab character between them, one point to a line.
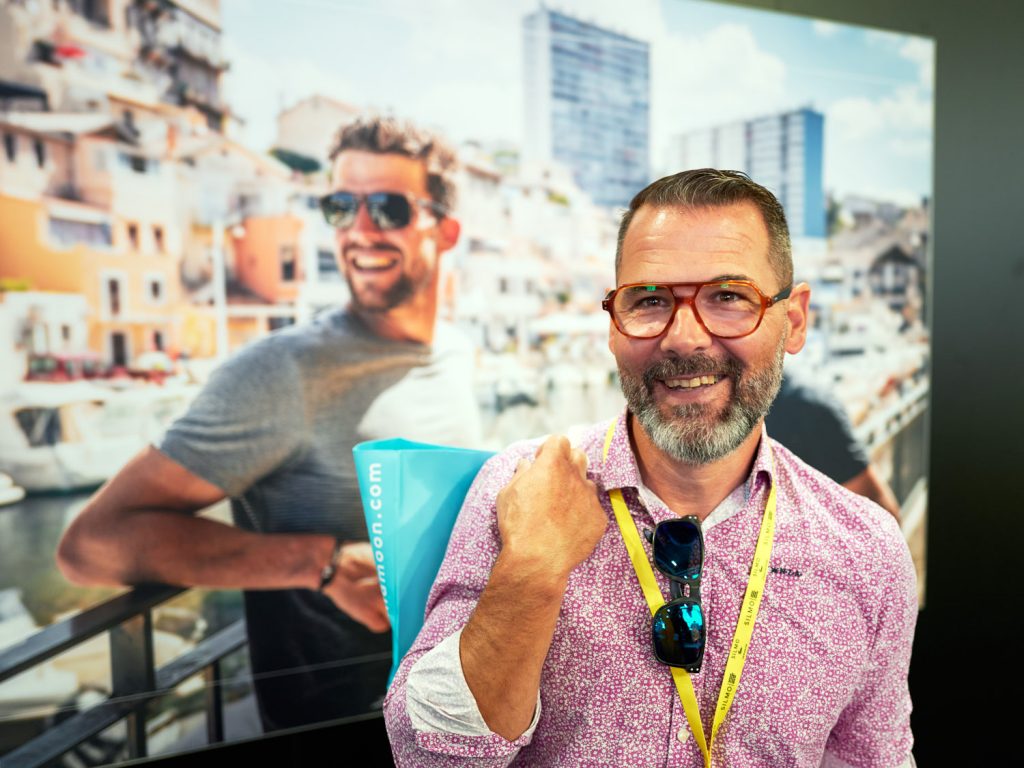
796	315
448	233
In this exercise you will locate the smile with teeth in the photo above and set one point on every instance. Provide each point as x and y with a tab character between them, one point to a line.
691	383
374	260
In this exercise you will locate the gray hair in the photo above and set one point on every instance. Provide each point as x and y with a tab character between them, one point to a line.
711	188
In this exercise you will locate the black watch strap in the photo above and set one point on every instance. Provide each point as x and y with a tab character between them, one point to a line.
329	571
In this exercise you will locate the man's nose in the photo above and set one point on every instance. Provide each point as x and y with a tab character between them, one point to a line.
363	222
685	332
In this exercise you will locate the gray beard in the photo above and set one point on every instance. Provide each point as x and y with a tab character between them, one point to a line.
693	435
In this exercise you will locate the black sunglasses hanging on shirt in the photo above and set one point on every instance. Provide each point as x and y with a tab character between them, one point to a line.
678	628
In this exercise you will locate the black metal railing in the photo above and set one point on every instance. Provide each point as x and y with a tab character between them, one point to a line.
135	679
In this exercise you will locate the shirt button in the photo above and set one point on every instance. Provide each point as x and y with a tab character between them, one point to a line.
682	735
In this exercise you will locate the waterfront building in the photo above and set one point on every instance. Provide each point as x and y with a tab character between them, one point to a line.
87	213
121	182
587	104
79	56
783	152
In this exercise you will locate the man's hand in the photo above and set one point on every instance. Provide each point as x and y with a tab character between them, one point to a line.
355	589
550	520
549	514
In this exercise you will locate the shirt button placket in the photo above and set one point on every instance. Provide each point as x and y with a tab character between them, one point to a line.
683	749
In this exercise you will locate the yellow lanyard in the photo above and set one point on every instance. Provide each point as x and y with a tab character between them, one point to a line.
748	611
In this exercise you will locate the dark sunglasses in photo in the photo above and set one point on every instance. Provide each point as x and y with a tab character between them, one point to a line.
678	628
387	210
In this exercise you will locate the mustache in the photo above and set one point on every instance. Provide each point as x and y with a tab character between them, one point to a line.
694	365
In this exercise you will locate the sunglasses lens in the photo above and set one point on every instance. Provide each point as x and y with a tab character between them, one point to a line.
678	632
389	210
678	549
340	209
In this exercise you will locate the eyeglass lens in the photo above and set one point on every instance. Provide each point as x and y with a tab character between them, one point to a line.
726	308
387	210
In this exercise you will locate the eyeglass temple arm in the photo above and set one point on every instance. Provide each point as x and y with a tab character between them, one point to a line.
783	294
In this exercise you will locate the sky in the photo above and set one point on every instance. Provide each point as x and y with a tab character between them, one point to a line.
457	65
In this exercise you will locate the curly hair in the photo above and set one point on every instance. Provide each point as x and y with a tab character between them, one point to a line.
388	135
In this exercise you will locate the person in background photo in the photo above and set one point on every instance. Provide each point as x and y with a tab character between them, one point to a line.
813	424
786	640
274	429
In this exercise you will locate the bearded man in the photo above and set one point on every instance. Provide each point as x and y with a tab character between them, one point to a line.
792	602
274	430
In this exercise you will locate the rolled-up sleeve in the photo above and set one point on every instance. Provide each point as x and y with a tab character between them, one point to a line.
874	729
445	732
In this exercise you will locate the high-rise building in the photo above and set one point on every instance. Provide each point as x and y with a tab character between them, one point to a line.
782	152
587	92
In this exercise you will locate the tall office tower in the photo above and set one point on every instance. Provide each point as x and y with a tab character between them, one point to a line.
782	152
587	92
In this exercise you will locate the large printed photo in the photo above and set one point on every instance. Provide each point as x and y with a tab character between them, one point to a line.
192	190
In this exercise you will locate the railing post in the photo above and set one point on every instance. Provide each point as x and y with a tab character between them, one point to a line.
133	674
214	704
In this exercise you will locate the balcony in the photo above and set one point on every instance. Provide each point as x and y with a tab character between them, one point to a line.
136	681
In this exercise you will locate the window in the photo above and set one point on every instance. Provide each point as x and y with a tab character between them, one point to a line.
158	238
40	150
133	236
154	288
327	267
136	163
158	341
274	323
288	262
114	295
68	232
119	349
65	332
10	146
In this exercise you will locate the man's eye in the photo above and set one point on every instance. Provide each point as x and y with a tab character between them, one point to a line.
649	302
724	297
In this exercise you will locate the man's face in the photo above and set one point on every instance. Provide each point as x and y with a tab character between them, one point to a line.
386	268
701	424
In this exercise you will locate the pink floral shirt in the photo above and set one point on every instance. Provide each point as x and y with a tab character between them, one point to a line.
825	681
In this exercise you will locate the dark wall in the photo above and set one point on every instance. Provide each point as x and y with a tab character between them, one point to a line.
965	653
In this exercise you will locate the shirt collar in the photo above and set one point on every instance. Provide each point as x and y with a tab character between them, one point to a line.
620	470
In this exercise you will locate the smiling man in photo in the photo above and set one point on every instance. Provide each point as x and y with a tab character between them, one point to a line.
274	430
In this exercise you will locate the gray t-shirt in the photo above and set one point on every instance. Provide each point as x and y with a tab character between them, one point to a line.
274	428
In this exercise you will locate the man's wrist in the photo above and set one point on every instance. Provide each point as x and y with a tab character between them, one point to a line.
330	569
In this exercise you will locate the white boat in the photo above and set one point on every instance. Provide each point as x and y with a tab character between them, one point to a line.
9	492
76	435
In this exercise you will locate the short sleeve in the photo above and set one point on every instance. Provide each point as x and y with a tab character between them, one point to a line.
246	422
